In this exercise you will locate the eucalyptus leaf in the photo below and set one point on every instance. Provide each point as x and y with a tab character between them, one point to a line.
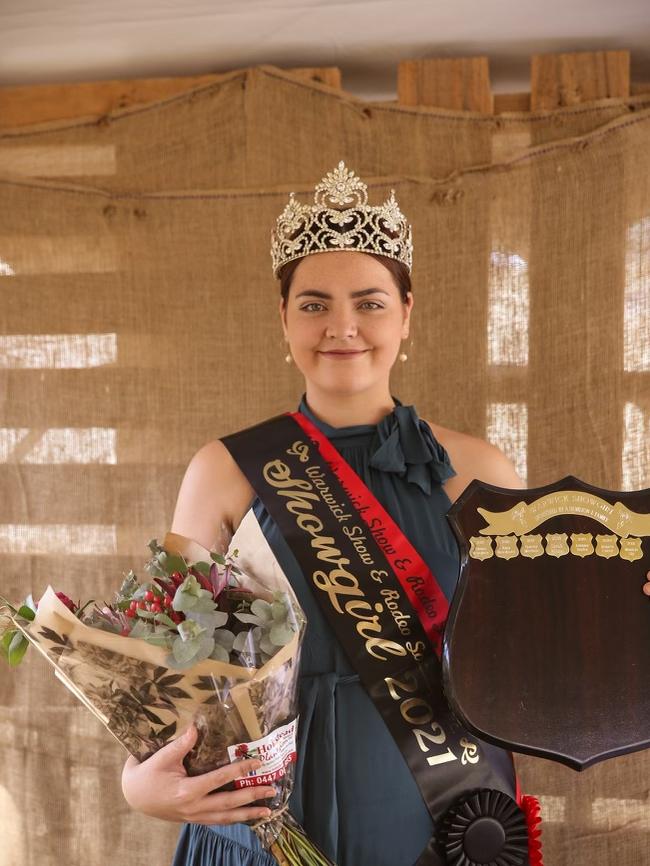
193	650
158	639
154	569
267	646
129	584
280	635
262	609
220	653
140	628
224	637
205	603
243	641
249	618
190	630
206	646
279	610
191	596
172	662
185	650
211	621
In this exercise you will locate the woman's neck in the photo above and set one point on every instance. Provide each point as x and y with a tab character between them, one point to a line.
348	410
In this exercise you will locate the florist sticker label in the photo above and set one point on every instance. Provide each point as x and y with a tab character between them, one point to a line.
276	751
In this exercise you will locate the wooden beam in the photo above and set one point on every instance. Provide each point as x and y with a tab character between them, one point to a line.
330	75
558	80
456	83
460	83
38	103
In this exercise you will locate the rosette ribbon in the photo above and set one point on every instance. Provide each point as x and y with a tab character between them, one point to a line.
487	826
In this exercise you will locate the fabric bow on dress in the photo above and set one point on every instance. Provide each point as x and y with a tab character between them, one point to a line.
407	447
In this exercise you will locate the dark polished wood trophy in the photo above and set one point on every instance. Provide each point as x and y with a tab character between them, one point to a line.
547	644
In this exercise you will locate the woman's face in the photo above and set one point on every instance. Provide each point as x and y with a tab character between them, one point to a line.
344	320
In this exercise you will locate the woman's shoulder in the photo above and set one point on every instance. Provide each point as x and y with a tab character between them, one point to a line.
473	457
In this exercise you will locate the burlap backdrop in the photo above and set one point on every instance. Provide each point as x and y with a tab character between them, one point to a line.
139	321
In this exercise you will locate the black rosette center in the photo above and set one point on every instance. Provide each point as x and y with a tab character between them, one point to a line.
486	826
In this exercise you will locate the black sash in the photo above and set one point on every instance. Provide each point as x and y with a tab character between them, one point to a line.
356	586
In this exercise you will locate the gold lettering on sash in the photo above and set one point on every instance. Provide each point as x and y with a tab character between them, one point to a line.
506	546
339	584
631	549
278	474
531	546
300	450
556	544
480	548
470	751
581	544
606	546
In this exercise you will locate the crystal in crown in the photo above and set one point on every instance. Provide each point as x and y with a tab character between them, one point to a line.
341	219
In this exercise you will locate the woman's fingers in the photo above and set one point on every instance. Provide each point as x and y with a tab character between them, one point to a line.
160	786
171	755
232	806
206	783
234	799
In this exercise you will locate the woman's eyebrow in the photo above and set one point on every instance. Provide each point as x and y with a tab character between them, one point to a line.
316	293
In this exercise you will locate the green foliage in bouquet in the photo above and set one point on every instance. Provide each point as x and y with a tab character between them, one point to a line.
13	643
196	611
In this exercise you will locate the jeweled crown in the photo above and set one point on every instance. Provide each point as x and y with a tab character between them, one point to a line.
341	219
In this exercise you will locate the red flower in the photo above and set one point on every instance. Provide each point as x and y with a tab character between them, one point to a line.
67	601
241	751
531	809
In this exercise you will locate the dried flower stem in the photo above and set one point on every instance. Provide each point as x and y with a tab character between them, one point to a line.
293	848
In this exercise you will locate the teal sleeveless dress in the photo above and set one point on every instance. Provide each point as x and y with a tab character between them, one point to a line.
354	793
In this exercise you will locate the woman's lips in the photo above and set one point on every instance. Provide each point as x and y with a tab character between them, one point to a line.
342	356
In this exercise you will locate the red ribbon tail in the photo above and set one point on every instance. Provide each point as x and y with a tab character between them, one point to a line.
531	809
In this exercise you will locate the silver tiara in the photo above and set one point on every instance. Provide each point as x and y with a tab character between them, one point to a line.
341	219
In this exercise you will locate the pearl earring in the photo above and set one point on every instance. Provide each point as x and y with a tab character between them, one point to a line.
287	357
403	356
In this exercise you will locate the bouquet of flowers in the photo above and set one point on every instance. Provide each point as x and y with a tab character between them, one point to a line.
201	641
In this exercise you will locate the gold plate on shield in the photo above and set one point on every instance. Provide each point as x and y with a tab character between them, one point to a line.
547	644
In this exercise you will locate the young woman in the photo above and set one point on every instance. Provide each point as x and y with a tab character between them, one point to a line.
344	314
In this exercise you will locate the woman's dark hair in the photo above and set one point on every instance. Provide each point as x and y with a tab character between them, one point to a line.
398	270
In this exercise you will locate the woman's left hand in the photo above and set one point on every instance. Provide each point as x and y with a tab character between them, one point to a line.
646	586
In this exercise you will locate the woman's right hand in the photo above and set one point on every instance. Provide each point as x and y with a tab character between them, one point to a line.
160	787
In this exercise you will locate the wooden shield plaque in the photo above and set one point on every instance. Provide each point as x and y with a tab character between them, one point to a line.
547	644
